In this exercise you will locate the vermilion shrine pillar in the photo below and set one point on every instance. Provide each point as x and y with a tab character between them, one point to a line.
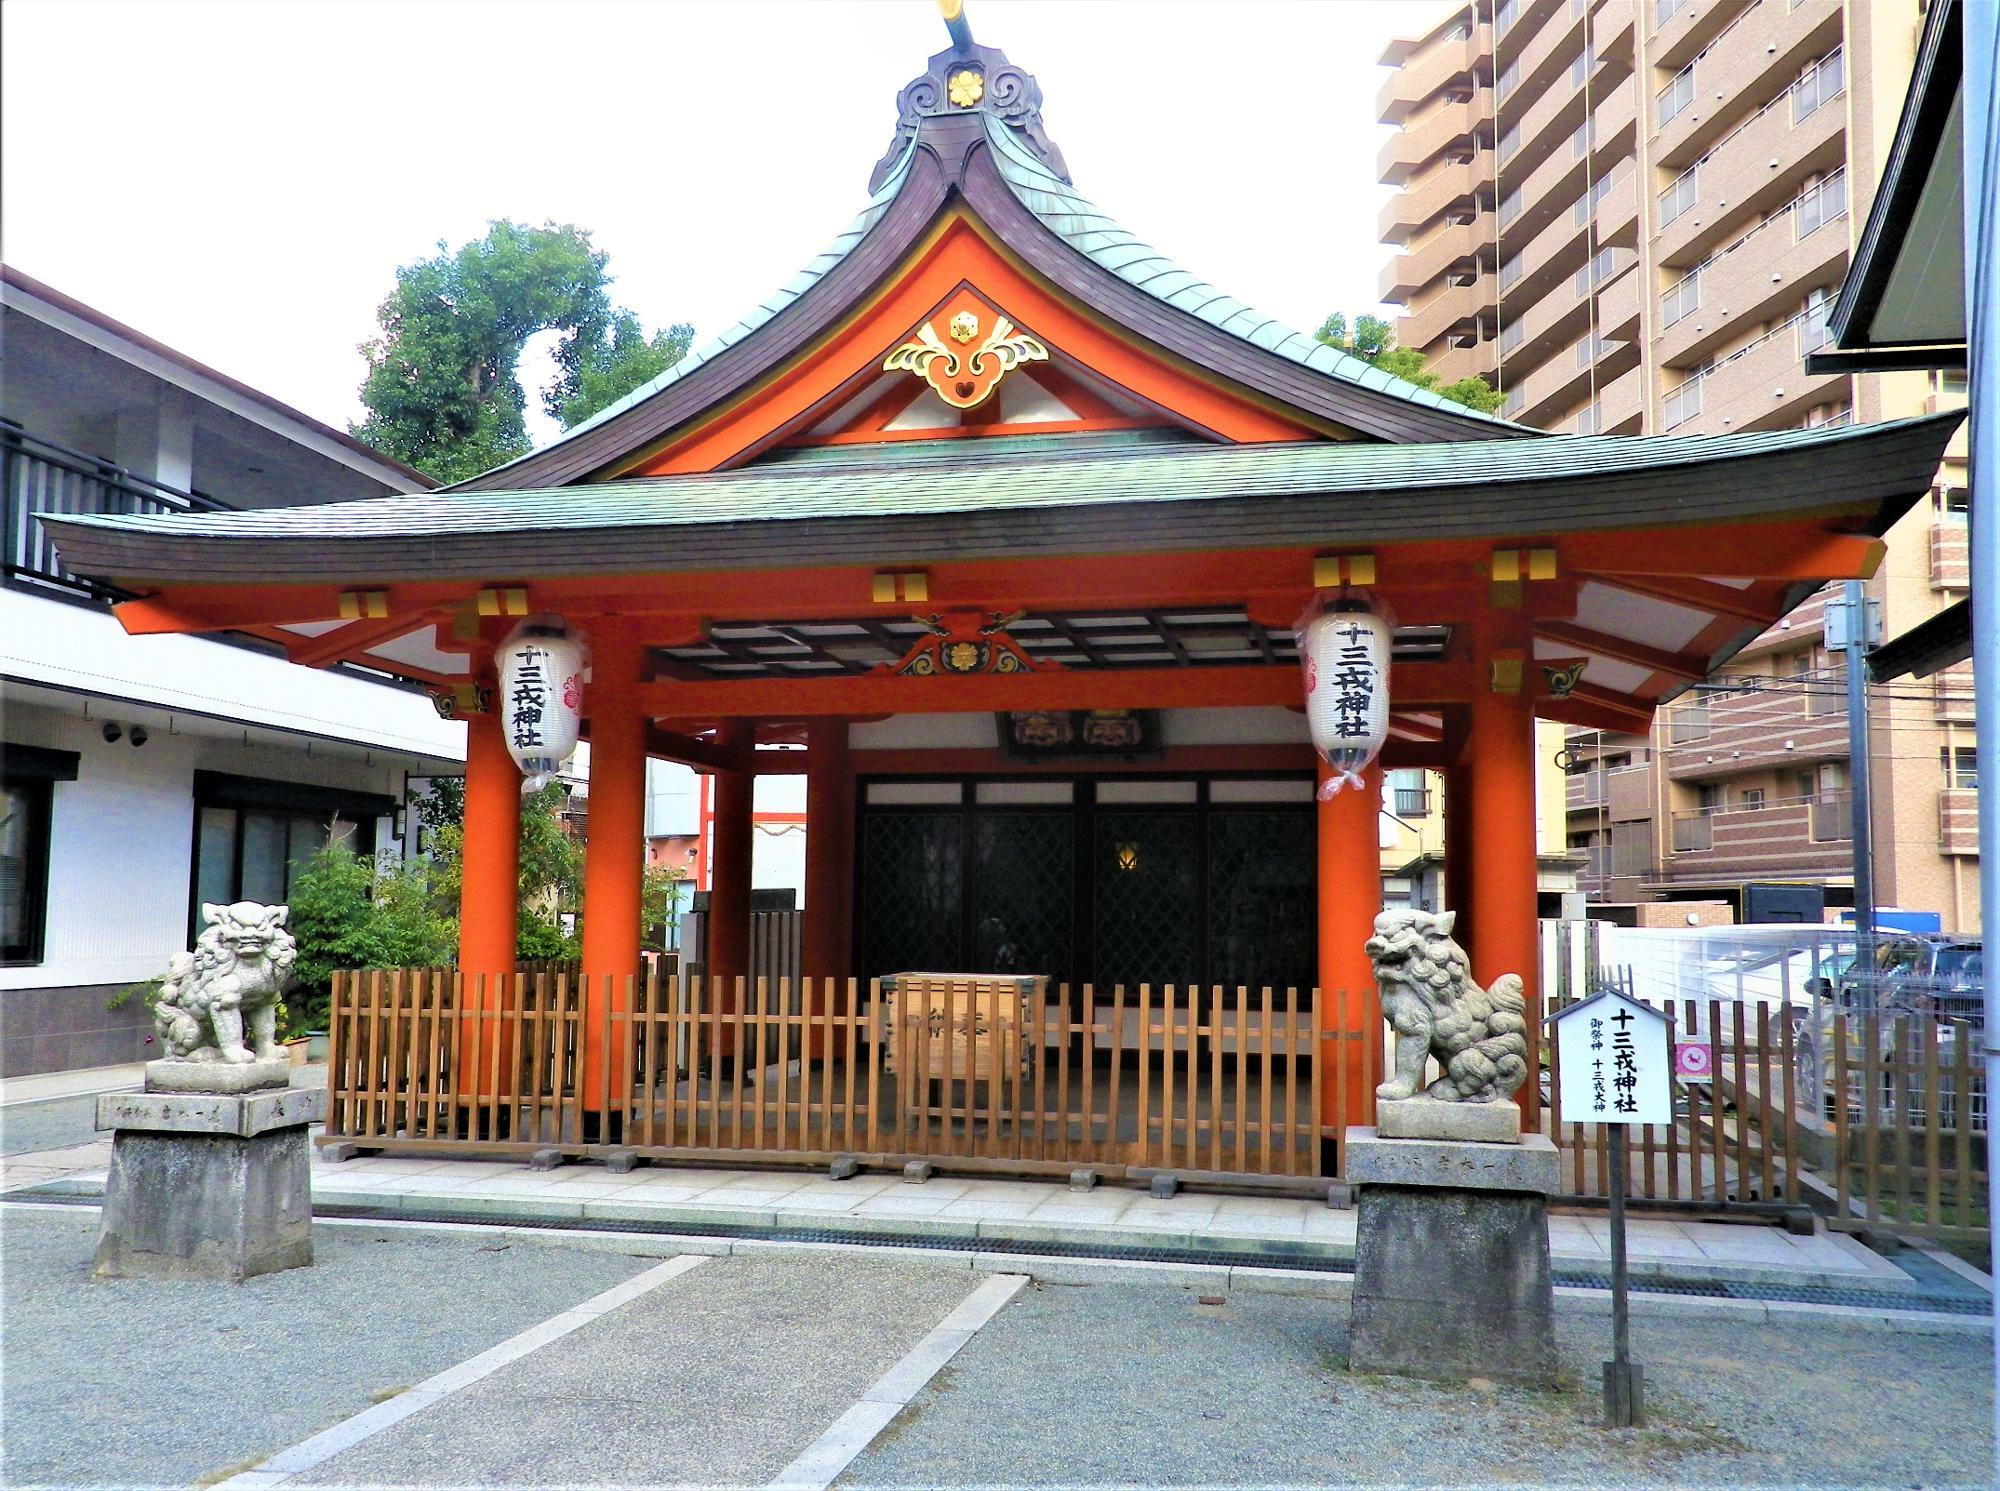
1350	896
1500	767
615	850
728	935
489	890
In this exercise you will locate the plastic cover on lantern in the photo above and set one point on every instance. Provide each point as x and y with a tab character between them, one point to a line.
1344	651
541	696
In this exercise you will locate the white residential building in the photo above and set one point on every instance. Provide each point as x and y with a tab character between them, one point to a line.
142	775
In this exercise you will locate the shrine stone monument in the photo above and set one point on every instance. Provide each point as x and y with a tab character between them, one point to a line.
210	1166
1451	1275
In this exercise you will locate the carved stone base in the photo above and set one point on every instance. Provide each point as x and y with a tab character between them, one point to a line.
217	1076
207	1186
1424	1117
1451	1275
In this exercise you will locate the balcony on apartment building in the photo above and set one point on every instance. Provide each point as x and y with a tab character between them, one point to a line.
1449	63
1563	316
1454	246
1762	385
1794	838
1681	28
1580	375
1613	29
1759	165
1805	622
1762	274
1455	311
1756	56
41	476
1958	820
1778	724
1951	696
1559	253
1950	556
1614	408
1449	128
1449	185
1548	58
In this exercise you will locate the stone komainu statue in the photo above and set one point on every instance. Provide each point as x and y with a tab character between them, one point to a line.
220	1002
1479	1036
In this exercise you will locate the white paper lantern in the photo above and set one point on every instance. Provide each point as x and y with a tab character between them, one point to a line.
1345	655
541	697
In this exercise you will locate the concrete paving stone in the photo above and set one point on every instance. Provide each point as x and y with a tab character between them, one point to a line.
741	1196
720	1377
983	1210
809	1202
1327	1221
290	1353
1085	1216
1169	1216
472	1204
1041	1230
902	1204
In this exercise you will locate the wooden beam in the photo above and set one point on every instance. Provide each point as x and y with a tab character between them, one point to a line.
1703	595
1600	709
1679	665
1753	551
1411	685
347	642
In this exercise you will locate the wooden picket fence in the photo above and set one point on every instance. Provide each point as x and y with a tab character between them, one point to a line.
1219	1081
1203	1082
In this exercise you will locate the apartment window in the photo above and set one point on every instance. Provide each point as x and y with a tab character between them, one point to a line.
1684	402
1827	417
1510	206
1510	141
1587	203
28	776
1677	95
1950	383
1591	420
1510	271
1952	502
1512	335
1579	69
1682	300
1679	197
1584	137
1753	799
1410	795
1820	203
1596	271
1805	786
1819	83
1665	10
1961	765
1511	405
1506	15
1709	798
1813	332
253	837
1510	77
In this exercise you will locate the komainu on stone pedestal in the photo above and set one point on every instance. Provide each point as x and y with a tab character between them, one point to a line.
220	1002
1479	1036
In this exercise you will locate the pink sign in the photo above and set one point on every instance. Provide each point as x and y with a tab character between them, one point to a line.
1693	1063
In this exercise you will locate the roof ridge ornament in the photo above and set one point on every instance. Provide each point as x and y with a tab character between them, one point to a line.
968	78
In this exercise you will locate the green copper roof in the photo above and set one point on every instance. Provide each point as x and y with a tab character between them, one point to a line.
1010	481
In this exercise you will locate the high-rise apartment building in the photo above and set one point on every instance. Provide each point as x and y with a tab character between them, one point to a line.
1632	216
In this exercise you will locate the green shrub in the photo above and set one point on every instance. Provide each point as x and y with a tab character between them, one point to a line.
351	912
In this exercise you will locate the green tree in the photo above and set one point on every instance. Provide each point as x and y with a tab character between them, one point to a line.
1374	340
352	912
551	881
443	390
623	361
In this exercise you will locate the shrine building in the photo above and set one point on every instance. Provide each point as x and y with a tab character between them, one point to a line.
999	522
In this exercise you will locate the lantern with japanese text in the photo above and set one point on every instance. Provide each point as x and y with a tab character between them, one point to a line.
541	696
1344	650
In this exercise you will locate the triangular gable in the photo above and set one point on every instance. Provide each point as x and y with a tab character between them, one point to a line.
969	185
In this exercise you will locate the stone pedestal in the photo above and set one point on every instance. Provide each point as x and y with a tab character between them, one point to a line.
1451	1275
207	1185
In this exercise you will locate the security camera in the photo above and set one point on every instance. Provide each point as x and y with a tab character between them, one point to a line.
112	731
139	736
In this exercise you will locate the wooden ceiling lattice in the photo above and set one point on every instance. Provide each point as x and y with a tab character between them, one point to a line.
1182	638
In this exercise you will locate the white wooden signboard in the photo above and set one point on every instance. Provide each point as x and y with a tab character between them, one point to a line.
1617	1062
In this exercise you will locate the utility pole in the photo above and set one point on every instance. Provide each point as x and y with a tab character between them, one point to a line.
1854	635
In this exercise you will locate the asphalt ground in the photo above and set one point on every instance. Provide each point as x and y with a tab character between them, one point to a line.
718	1377
134	1382
1136	1385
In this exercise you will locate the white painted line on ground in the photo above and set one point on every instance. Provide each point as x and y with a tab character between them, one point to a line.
822	1461
323	1446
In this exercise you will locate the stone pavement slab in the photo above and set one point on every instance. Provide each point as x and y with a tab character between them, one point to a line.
720	1377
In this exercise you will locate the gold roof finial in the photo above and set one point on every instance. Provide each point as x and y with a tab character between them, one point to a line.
953	12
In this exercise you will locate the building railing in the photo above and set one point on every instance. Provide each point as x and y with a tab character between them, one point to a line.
1693	832
1413	802
1832	817
39	476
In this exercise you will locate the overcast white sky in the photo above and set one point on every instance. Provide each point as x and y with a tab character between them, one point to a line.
240	180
